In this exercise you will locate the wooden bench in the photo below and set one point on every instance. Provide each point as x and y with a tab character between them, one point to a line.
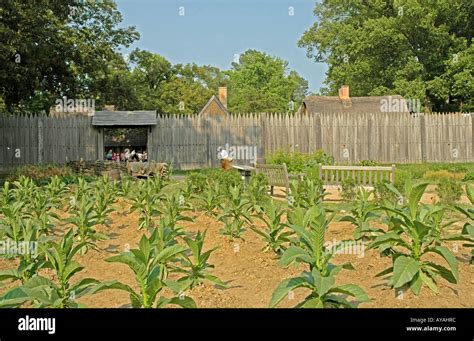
362	175
277	175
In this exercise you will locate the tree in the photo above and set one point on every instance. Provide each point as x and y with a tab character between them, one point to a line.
52	49
173	89
261	83
418	49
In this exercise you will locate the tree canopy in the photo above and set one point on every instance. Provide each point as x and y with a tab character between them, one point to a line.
52	49
420	49
262	83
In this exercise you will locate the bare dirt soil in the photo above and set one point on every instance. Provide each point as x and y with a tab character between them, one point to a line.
252	275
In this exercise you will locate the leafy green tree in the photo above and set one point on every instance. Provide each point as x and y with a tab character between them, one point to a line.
52	49
418	49
261	83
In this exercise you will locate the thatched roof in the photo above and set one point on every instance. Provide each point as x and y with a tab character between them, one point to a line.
372	104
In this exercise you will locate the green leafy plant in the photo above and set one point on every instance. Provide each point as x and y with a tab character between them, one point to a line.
42	211
23	234
6	195
197	182
468	228
171	210
368	163
84	220
235	213
56	190
348	189
306	193
300	162
310	226
383	195
274	233
148	264
194	264
210	199
411	238
363	212
105	195
42	292
257	193
24	189
145	200
449	191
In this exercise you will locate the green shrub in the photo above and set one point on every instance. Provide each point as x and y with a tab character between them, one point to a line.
449	191
468	177
442	174
348	189
368	163
197	181
384	195
300	162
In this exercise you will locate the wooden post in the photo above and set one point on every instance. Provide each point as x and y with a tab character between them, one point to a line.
393	175
100	144
40	140
370	124
423	138
319	137
149	143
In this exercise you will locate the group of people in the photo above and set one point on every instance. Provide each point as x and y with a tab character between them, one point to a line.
126	155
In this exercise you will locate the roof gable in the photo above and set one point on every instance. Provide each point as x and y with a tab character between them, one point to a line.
216	101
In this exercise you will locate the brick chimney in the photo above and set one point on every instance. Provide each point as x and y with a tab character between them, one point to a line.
223	95
344	92
344	96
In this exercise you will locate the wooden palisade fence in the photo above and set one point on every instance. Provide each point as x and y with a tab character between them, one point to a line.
192	141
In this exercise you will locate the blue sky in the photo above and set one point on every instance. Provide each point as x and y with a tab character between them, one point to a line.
213	31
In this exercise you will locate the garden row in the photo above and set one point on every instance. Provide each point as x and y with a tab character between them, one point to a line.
171	259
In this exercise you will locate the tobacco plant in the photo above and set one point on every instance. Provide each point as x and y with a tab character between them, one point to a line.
144	201
306	193
363	212
257	194
84	220
148	264
171	210
55	190
42	292
6	195
210	199
194	264
235	213
310	226
274	233
105	196
24	188
25	233
412	238
468	228
42	212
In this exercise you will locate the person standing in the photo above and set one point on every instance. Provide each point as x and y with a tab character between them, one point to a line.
224	158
